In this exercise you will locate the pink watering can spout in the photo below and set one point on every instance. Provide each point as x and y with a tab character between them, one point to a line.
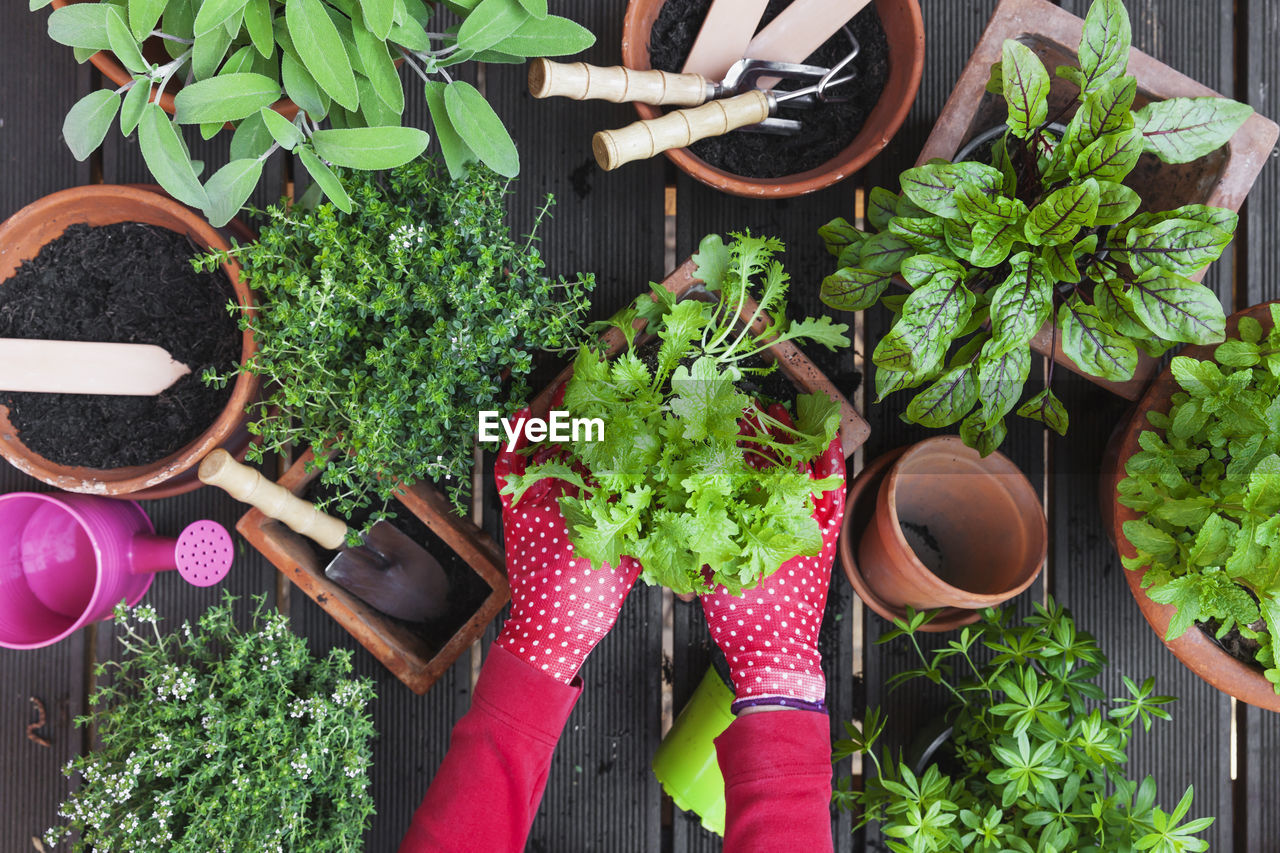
66	560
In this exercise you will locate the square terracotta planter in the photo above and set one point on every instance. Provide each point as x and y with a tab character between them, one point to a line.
1220	179
793	364
400	649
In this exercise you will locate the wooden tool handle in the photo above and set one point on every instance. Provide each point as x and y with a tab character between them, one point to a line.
645	139
583	82
247	484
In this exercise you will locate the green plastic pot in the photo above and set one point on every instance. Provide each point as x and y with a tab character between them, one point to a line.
685	762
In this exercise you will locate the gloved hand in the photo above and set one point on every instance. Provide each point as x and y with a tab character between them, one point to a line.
560	608
769	635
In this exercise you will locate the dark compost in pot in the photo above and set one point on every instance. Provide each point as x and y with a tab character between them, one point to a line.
122	283
825	130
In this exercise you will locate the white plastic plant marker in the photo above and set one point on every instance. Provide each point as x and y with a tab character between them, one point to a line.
799	30
724	37
76	367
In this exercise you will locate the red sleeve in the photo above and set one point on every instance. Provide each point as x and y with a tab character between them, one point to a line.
486	793
777	781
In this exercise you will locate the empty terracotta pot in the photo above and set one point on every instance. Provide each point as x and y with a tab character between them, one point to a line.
948	530
904	28
21	238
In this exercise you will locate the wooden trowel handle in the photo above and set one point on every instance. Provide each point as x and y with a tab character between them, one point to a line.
583	82
247	484
644	139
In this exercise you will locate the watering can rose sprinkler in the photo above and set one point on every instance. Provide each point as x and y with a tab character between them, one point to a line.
66	560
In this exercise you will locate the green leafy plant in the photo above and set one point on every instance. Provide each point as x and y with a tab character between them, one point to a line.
1207	482
1036	757
217	738
384	332
670	483
334	59
1045	232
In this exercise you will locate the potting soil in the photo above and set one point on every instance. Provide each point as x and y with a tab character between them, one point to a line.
123	283
825	131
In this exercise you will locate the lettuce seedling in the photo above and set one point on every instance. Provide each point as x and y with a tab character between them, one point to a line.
1046	231
1207	481
671	483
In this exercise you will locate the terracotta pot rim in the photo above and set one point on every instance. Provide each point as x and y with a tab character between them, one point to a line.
1195	649
865	487
128	480
883	122
1013	478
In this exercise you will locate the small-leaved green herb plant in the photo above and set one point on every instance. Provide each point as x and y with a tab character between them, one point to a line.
1036	757
383	332
231	61
1047	231
1207	481
215	737
670	483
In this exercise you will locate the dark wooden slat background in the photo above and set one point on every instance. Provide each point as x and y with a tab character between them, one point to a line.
629	228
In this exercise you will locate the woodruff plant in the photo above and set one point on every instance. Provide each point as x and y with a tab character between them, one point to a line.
383	332
1036	757
670	484
335	59
217	738
1207	481
1047	231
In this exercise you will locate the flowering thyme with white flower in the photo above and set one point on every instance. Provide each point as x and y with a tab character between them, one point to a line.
214	738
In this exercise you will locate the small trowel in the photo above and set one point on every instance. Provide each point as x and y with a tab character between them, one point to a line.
389	571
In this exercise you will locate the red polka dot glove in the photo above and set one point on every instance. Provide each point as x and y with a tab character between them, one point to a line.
769	635
560	607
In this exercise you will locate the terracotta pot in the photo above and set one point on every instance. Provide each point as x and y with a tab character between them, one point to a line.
1197	650
979	535
904	28
110	67
21	238
395	644
1220	179
793	364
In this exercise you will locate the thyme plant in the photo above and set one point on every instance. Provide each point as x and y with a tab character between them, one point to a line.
215	737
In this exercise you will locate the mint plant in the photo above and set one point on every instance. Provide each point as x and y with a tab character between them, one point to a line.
221	738
1046	231
671	483
335	59
1207	482
383	332
1036	757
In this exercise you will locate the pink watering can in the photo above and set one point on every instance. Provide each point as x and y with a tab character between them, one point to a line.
67	560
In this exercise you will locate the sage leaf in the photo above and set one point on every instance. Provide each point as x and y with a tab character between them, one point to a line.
166	156
88	121
1060	217
325	178
456	153
1180	130
1046	408
143	17
321	49
258	23
852	289
380	68
251	139
1178	245
550	35
1022	303
537	8
1104	46
1177	309
1093	345
229	188
480	128
1001	376
370	148
208	52
952	396
1026	88
301	87
378	16
489	23
1110	157
225	98
215	13
933	187
135	101
284	132
82	25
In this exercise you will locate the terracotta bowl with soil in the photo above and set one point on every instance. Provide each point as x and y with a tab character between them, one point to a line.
1197	650
901	64
936	526
31	230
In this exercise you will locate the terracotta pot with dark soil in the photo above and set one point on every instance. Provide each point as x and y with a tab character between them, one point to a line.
836	140
416	653
1221	179
111	263
937	526
1196	648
